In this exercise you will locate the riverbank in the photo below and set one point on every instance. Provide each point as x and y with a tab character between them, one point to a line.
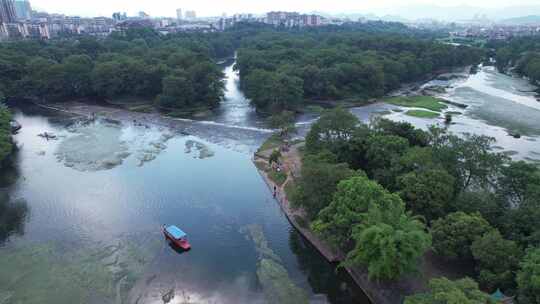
382	292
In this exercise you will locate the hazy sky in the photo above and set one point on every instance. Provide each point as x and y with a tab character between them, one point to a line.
217	7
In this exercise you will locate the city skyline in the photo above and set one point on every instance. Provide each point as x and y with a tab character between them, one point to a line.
207	8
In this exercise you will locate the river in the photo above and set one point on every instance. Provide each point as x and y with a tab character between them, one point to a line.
498	105
84	212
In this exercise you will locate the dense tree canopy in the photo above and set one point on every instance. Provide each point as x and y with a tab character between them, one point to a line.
465	192
176	70
427	192
520	53
349	205
454	234
326	64
444	291
320	176
528	277
497	261
389	242
6	145
332	131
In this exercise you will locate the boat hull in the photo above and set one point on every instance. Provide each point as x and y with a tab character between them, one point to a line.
182	243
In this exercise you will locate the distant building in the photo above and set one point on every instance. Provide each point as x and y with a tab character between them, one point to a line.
117	17
23	9
179	15
293	19
191	15
143	15
225	23
7	11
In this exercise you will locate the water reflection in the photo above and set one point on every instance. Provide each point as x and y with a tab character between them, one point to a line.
106	223
322	275
13	212
12	217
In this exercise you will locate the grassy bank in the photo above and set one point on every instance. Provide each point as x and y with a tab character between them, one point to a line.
424	102
422	114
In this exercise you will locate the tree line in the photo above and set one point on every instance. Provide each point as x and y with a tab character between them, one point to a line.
278	70
175	71
521	54
386	192
6	143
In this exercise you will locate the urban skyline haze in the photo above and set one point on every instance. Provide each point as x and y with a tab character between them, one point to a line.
205	8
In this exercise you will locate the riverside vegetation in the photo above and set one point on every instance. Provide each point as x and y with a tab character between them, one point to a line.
279	68
386	193
521	54
279	71
175	71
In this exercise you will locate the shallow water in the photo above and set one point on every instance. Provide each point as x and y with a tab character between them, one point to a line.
498	105
91	233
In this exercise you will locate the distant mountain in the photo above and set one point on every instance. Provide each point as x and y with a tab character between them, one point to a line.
531	19
444	13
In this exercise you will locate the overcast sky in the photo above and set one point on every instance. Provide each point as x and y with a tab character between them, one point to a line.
217	7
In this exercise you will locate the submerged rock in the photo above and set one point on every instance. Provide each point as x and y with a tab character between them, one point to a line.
202	149
274	278
93	147
277	285
515	135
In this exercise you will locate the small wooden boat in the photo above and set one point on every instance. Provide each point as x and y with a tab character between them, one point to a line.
176	236
15	126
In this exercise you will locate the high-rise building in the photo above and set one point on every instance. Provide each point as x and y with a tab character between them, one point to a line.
179	15
119	16
7	11
23	9
191	15
143	15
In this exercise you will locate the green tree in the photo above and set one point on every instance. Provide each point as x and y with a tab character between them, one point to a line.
517	181
390	242
320	177
274	157
454	234
283	121
207	82
444	291
351	200
383	154
6	144
497	261
274	91
470	159
428	192
77	73
178	91
332	131
528	277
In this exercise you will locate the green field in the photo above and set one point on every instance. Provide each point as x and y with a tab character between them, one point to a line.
422	114
424	102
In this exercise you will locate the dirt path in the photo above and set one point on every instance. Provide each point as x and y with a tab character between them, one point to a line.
291	164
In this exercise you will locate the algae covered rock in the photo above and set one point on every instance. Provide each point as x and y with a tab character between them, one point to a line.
277	286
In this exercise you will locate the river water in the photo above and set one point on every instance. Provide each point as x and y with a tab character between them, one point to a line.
80	216
498	105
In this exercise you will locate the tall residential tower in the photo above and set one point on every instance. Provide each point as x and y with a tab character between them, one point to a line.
7	11
23	9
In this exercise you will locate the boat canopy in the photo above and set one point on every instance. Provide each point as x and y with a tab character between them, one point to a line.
176	232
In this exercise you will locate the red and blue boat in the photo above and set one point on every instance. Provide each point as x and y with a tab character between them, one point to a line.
176	236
